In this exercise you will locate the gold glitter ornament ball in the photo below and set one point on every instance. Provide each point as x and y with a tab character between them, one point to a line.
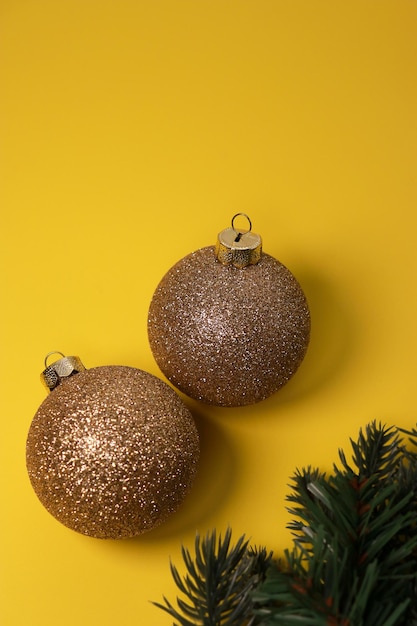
229	325
112	452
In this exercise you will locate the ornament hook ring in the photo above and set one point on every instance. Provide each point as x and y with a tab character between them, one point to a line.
238	233
50	354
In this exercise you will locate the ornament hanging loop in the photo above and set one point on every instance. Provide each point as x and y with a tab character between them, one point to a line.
239	248
62	368
51	354
239	233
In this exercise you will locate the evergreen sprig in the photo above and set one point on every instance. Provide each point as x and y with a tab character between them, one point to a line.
218	582
354	556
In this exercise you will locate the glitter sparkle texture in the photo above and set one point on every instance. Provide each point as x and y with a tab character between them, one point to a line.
112	452
228	336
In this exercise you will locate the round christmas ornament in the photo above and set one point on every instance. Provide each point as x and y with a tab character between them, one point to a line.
228	324
112	451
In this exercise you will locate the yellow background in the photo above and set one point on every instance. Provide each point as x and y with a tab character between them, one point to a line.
131	132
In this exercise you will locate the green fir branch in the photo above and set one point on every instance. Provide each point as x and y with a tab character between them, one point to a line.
218	582
353	561
377	452
354	536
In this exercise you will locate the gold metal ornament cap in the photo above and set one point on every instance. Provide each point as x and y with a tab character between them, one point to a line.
239	248
62	368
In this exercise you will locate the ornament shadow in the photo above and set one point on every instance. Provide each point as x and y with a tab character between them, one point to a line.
216	478
333	341
333	345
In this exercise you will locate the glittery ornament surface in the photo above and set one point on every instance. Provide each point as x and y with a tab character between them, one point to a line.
228	336
112	452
